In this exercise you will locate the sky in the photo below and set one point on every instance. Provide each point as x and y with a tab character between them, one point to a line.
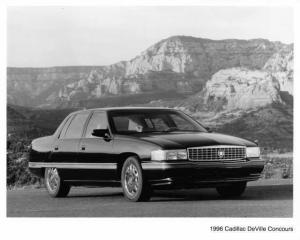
70	36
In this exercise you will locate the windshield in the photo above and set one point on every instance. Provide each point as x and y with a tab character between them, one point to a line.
153	121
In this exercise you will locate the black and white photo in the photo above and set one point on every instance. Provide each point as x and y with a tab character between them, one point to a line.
152	111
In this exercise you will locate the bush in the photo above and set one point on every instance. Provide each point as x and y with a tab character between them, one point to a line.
278	167
18	173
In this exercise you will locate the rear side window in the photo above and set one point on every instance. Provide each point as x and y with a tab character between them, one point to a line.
64	129
97	121
76	126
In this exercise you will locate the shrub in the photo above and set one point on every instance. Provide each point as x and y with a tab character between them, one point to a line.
18	173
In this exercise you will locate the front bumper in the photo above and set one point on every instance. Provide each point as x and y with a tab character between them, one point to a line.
202	173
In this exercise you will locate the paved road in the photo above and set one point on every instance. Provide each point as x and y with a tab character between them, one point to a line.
261	199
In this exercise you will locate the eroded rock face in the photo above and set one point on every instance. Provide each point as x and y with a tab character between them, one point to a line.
241	88
281	66
182	64
244	88
202	57
98	83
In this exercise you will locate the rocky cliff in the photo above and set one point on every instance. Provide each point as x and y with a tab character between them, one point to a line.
200	58
281	66
244	88
180	64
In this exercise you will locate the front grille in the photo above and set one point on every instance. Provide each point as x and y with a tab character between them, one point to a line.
212	153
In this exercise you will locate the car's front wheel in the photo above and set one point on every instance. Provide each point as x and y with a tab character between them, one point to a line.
134	184
232	190
55	185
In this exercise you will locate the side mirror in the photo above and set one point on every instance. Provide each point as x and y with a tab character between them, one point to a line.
209	129
100	132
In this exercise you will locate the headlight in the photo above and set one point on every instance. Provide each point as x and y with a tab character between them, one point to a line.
160	155
252	152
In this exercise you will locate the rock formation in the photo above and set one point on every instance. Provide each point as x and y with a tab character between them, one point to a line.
180	63
281	66
242	88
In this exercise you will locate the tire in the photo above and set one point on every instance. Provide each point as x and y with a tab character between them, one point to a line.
56	187
135	187
232	190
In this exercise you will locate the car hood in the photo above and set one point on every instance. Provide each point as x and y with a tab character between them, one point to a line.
185	140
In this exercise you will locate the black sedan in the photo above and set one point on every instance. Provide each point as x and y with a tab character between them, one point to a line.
142	149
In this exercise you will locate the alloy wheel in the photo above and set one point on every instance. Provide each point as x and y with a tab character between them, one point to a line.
131	180
53	179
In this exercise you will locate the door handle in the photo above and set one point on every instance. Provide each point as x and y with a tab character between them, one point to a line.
107	137
56	148
82	147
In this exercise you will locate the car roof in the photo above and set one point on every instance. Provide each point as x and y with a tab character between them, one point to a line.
123	109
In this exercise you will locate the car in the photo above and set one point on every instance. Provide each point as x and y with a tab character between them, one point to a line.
142	149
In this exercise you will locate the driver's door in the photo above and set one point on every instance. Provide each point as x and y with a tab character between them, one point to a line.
96	153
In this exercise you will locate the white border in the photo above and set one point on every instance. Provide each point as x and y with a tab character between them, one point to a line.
145	228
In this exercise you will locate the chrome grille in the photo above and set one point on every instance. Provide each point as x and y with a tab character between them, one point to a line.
212	153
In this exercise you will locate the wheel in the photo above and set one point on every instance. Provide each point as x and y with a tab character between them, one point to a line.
135	186
232	190
55	185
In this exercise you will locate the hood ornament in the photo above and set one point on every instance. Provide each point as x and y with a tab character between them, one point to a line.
221	153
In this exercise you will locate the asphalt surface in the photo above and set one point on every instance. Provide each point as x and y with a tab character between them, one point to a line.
261	199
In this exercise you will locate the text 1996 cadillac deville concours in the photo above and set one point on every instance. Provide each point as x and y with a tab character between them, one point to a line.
142	149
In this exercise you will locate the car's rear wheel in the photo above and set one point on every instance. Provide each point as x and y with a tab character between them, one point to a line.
232	190
55	185
135	187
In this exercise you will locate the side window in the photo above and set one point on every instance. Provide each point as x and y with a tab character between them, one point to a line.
181	123
76	126
65	127
97	121
160	124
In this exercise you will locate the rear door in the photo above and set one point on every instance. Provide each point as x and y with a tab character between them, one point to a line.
96	153
66	147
